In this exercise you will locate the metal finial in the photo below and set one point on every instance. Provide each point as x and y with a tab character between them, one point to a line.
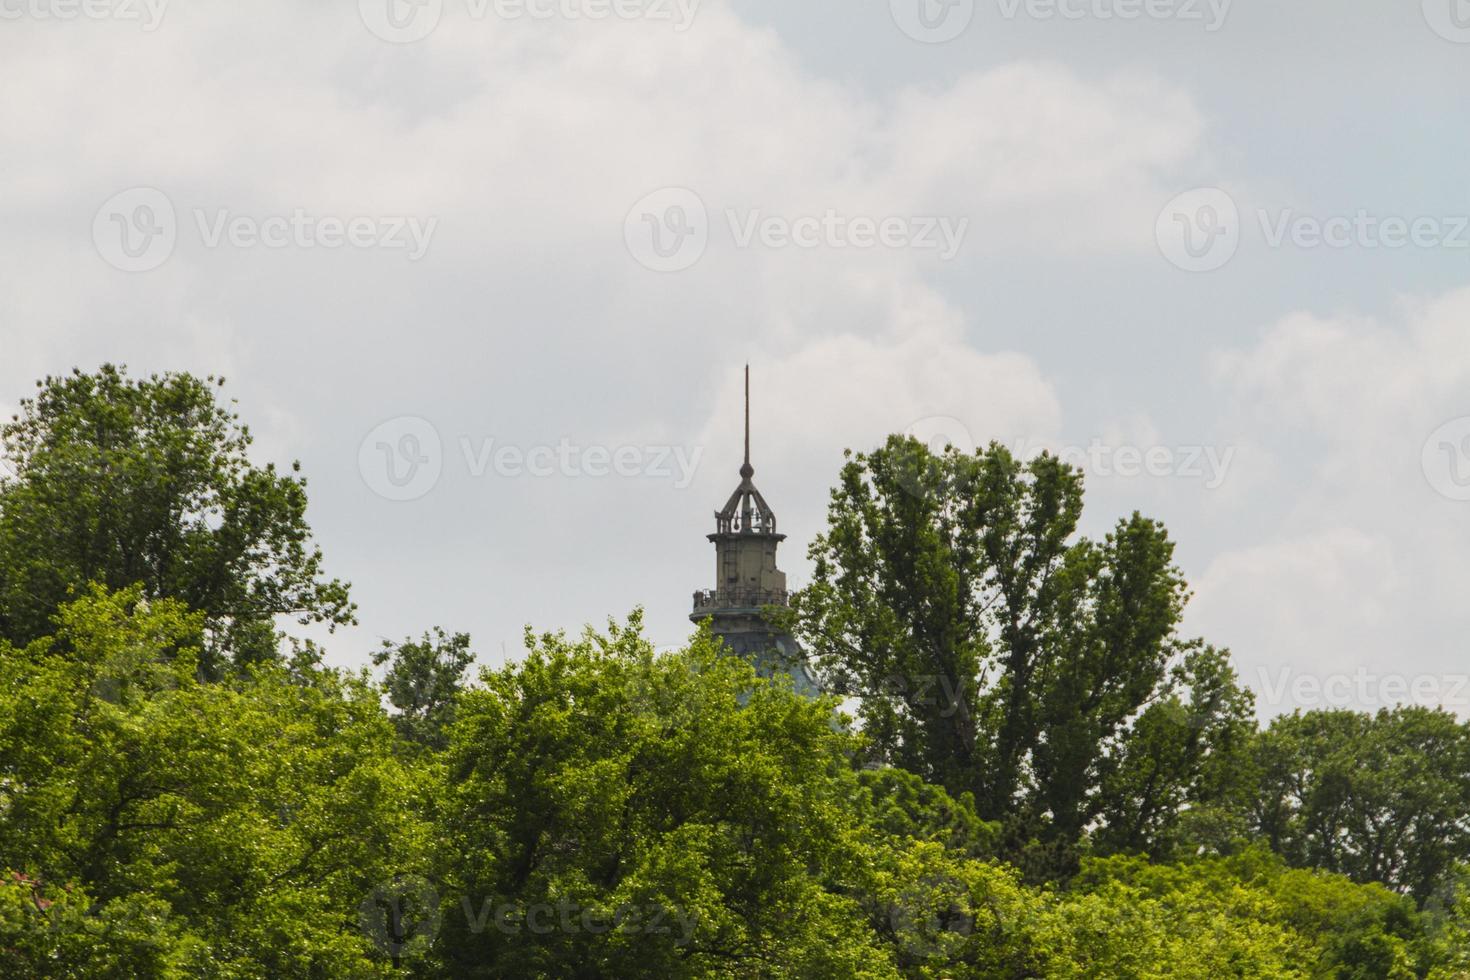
747	470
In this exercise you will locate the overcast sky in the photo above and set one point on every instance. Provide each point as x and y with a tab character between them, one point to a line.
491	270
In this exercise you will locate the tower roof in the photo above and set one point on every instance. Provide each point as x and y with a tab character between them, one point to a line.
746	512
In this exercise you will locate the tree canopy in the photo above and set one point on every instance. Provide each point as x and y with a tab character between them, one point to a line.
1022	770
999	653
149	482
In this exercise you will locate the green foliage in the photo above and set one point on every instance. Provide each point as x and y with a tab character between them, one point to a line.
997	653
48	931
1184	761
599	811
943	915
595	777
1246	916
1377	798
214	829
423	682
148	482
904	806
709	806
596	810
1315	924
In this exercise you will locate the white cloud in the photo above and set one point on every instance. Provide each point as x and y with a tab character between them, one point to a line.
528	321
1365	394
847	391
1309	597
1046	158
1355	569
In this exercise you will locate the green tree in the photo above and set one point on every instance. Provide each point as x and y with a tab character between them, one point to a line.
1248	915
1183	764
904	806
614	813
423	680
190	829
1124	916
122	482
946	916
1375	797
57	931
600	811
995	651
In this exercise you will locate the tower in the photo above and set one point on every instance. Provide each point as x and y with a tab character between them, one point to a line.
747	579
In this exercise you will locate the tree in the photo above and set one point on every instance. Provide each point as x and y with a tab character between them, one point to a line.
1183	764
994	650
1380	797
149	482
169	827
600	811
423	681
1124	916
904	806
1244	916
614	813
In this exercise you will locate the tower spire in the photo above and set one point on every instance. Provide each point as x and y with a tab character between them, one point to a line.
746	511
748	580
747	470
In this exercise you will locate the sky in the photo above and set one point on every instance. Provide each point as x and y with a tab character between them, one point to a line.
491	269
